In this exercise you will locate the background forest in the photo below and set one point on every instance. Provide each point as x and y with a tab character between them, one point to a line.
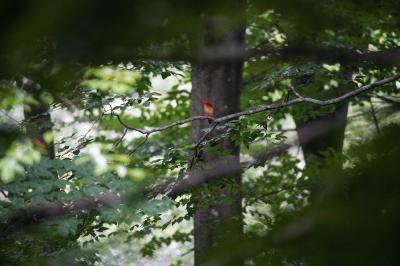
199	132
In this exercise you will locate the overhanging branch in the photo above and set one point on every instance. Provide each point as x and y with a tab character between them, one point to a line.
327	54
264	108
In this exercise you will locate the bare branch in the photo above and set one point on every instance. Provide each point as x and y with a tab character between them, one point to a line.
24	217
121	138
336	100
375	119
139	145
162	128
294	90
387	99
264	108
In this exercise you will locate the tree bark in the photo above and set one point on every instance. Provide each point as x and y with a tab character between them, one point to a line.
218	223
320	134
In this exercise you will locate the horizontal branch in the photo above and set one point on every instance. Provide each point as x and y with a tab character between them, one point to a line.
232	52
319	53
161	128
328	54
264	108
27	216
387	99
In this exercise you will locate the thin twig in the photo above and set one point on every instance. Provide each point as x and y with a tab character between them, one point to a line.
121	138
3	193
12	118
378	130
78	147
386	99
197	146
140	144
294	90
282	189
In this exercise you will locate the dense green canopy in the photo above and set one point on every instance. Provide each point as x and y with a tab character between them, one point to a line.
101	162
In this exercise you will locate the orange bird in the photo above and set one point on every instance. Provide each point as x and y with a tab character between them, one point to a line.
208	109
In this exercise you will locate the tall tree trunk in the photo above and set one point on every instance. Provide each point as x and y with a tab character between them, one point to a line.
216	224
320	134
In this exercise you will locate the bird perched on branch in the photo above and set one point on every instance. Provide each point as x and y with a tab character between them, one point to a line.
208	109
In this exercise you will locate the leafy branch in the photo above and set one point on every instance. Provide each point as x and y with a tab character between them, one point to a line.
262	108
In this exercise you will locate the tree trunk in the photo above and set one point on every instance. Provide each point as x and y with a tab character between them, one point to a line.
316	136
216	224
322	133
